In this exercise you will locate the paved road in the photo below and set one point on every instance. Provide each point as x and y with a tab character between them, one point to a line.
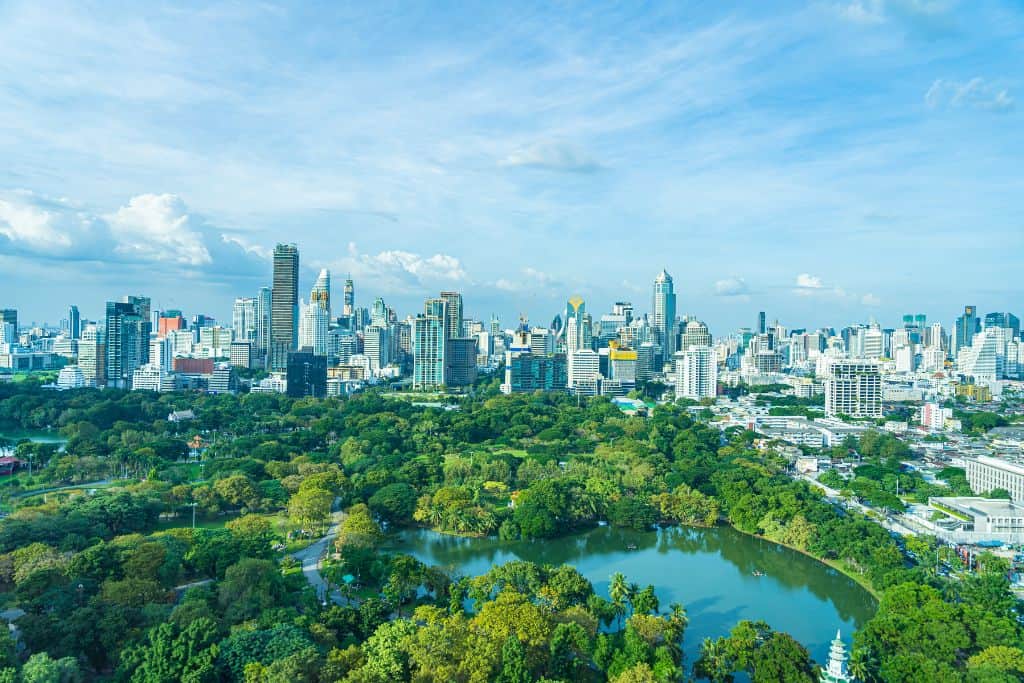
311	555
87	485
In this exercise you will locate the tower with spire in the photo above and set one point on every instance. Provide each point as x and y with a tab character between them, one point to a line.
836	671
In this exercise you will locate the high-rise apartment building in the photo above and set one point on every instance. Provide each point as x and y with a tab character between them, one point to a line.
92	355
453	314
263	306
663	313
284	305
313	328
127	339
9	316
428	343
244	319
377	347
696	373
852	387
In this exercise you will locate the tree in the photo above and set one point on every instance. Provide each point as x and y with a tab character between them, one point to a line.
359	530
618	590
41	668
237	490
175	654
394	503
311	508
640	673
514	668
254	534
250	587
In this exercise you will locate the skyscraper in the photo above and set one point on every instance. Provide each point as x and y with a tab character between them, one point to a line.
966	327
696	373
321	292
92	356
127	338
284	306
428	344
348	302
761	328
577	332
263	304
853	387
453	314
313	327
663	313
74	323
243	318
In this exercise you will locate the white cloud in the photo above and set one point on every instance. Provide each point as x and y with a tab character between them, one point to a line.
150	230
870	300
553	156
862	11
807	281
975	93
731	286
158	228
396	271
879	11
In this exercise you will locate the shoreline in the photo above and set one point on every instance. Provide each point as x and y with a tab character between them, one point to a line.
832	564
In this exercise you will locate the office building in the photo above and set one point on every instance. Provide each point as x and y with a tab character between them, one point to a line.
1007	321
264	303
542	341
170	321
696	373
377	347
695	333
160	353
663	314
71	377
453	314
852	387
980	359
584	371
284	306
306	374
321	292
74	323
152	378
127	339
241	354
9	317
578	328
92	356
428	338
244	318
348	302
967	325
460	362
223	380
986	473
622	364
313	327
526	372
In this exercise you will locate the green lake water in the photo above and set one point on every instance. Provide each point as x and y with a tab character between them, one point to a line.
709	571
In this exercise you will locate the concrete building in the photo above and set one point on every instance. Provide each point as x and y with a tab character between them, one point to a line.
306	374
92	356
853	387
429	346
71	377
460	362
152	378
241	354
696	373
985	473
984	519
284	306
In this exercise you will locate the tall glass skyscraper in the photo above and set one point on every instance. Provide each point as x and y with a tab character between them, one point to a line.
284	306
663	313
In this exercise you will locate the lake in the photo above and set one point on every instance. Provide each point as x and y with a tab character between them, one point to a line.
709	571
39	436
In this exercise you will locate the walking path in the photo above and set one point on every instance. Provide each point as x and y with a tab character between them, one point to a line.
311	556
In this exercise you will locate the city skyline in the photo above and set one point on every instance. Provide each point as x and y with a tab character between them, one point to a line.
519	155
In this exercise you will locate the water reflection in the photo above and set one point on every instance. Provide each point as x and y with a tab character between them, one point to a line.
710	571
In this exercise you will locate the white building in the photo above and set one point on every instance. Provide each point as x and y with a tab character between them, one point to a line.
244	322
985	473
934	416
92	356
152	378
852	387
377	347
313	325
160	353
933	358
584	371
905	360
71	377
182	342
979	360
696	373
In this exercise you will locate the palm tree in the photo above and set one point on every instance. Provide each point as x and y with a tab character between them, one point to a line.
618	590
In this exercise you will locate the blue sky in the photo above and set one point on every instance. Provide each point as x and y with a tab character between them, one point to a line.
826	162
